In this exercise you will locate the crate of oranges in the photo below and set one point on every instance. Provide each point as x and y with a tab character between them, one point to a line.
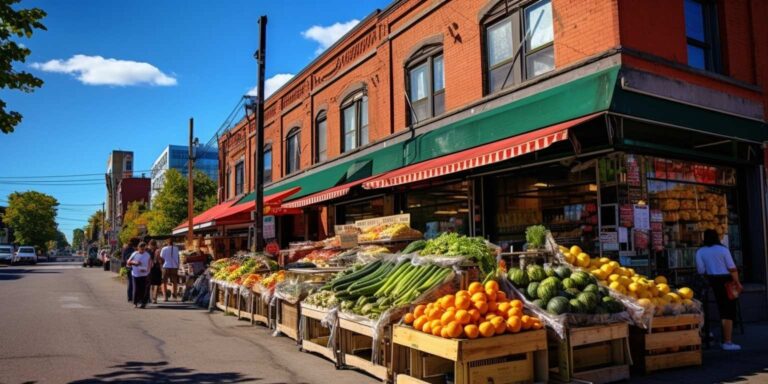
479	329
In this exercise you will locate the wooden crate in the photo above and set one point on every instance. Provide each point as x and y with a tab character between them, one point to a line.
259	309
288	319
356	349
511	358
672	342
315	337
596	354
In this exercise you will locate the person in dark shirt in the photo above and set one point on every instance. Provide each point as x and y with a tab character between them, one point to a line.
128	250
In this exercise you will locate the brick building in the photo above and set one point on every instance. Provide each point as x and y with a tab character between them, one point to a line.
628	127
129	190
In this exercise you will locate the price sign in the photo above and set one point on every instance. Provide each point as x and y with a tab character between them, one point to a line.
269	227
348	240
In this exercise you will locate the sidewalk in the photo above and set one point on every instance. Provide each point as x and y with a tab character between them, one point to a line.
750	365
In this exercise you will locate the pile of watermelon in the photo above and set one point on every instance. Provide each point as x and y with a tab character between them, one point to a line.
559	290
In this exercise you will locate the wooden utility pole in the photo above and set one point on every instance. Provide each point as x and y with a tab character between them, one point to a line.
259	164
190	185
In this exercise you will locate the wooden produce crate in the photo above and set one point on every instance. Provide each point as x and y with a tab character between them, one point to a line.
259	309
315	337
356	349
672	342
595	354
511	358
288	319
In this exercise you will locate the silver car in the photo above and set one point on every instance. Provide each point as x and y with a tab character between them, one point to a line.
6	253
25	254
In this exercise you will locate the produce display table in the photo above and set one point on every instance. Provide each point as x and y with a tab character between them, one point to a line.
315	337
510	358
672	342
356	348
596	354
288	318
259	309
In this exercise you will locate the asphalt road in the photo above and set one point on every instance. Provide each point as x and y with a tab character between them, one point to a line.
62	323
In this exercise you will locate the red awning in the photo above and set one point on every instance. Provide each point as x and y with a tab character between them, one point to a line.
241	213
206	216
328	194
490	153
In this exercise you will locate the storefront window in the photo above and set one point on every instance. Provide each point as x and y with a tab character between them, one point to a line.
437	209
359	210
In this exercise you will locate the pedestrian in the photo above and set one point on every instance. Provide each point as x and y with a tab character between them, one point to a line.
170	256
128	250
140	264
714	260
155	271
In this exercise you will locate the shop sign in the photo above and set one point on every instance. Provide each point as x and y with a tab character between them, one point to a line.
365	224
273	248
280	211
642	217
269	227
633	171
609	241
347	239
345	228
626	217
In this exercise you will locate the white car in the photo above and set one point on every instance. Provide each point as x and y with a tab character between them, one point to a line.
6	253
25	254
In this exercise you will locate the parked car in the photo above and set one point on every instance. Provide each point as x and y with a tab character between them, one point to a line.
6	253
93	258
25	254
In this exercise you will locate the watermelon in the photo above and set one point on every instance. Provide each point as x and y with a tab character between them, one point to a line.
568	283
553	281
535	273
591	288
540	303
612	305
549	271
582	279
562	271
558	305
546	291
518	277
532	288
577	306
589	300
571	293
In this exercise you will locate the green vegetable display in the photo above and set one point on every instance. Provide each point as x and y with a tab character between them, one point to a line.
535	236
453	244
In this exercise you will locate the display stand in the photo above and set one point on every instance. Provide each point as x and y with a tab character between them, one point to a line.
595	354
288	319
259	309
672	342
314	337
356	348
511	358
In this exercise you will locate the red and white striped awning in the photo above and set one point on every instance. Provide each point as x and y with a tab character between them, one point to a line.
487	154
328	194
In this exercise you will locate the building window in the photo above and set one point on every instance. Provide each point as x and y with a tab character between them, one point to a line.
426	83
292	152
354	121
239	177
267	164
519	43
701	34
321	137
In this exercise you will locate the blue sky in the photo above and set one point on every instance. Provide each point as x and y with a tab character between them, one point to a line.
129	74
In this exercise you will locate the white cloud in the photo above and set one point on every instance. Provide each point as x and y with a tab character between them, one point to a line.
272	84
96	70
326	36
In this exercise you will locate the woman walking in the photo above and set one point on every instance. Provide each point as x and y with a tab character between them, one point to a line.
714	260
155	271
140	264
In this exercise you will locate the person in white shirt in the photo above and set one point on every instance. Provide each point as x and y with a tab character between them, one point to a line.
714	261
170	256
140	263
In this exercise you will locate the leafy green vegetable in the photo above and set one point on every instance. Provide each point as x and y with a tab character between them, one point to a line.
535	235
453	244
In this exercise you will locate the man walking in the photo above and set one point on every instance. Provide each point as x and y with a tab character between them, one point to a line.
170	256
128	251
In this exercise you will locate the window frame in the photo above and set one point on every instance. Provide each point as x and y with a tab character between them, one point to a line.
425	56
355	100
321	118
240	187
710	45
264	174
292	133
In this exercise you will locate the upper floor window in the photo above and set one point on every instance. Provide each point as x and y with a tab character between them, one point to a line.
354	121
267	174
292	154
321	137
701	34
426	83
519	43
239	177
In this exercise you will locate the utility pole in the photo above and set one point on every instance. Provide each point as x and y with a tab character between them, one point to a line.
259	163
190	184
101	226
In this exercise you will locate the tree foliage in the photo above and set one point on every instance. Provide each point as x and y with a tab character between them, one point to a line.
170	204
32	217
134	221
16	24
94	227
51	245
78	236
61	240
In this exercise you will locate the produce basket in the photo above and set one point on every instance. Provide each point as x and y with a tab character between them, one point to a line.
671	342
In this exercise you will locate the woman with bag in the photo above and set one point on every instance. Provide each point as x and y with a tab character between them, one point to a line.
140	264
714	260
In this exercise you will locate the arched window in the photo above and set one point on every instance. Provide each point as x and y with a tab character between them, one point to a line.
292	153
321	137
519	43
354	121
267	163
426	83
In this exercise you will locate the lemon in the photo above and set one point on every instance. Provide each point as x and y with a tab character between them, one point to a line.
685	293
582	259
660	279
575	250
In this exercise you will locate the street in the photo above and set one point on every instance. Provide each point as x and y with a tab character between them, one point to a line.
64	323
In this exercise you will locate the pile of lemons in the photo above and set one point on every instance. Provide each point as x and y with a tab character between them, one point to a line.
648	292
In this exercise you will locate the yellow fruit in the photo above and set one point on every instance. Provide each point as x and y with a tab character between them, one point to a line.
479	296
660	279
516	304
514	324
634	287
613	277
487	329
474	315
571	259
598	273
604	260
499	325
625	281
463	317
462	302
427	327
514	311
582	260
526	322
419	322
475	287
644	302
408	318
419	310
501	297
687	302
448	301
575	250
672	297
471	331
491	286
504	307
436	330
447	317
481	306
615	285
685	293
662	289
631	271
607	268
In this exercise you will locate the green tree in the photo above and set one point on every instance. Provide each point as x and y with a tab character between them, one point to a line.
78	236
61	240
94	227
171	202
134	221
15	24
32	217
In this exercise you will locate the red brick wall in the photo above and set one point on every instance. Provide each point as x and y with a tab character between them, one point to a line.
584	28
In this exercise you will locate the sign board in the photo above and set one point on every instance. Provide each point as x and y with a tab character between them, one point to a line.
642	217
609	241
351	228
272	248
404	218
280	211
269	227
347	239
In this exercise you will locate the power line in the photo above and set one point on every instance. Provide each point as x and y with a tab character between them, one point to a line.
58	176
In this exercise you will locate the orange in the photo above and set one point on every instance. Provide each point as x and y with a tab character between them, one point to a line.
514	312
436	330
527	322
435	314
463	317
471	331
464	293
514	324
475	287
536	324
434	323
479	296
516	303
419	310
444	332
452	329
486	329
493	306
458	330
427	327
463	301
408	318
481	306
501	296
420	321
491	286
498	325
447	301
474	314
504	307
447	317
